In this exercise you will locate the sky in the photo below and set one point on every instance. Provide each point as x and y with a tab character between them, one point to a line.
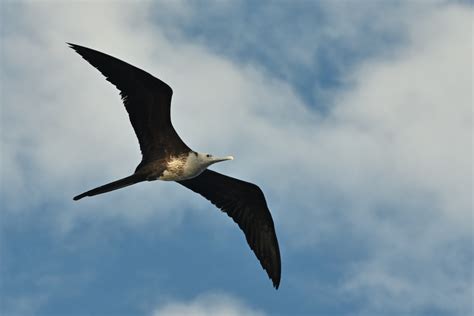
355	119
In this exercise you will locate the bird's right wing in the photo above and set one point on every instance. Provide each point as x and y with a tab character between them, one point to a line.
147	100
245	203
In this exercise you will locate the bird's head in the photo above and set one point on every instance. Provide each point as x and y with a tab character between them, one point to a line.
208	159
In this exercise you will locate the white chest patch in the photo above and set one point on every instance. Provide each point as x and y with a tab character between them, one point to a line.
182	168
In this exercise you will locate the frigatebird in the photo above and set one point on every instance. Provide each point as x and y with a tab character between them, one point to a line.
166	157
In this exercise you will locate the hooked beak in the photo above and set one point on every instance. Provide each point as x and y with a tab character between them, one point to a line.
218	159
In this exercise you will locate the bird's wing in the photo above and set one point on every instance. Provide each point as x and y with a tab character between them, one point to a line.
147	100
245	203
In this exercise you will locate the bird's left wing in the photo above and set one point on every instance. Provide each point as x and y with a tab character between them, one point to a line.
245	203
147	100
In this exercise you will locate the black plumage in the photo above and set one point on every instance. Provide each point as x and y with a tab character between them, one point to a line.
148	100
245	203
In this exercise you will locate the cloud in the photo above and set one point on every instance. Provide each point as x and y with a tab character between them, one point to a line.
208	304
403	139
382	177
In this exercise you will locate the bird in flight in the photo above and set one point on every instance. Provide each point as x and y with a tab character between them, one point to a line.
166	157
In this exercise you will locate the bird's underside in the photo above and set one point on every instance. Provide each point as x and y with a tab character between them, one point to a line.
166	157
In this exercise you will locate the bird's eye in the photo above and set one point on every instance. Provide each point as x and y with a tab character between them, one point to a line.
208	156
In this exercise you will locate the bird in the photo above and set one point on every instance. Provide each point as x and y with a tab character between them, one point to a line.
166	157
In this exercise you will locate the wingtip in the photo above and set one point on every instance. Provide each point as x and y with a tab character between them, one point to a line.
275	276
276	283
74	46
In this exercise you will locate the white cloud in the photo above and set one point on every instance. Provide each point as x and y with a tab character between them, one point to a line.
403	139
207	305
391	161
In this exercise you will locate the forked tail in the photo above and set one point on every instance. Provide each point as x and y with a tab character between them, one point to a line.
134	178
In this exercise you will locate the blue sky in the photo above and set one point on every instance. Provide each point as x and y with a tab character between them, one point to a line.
355	118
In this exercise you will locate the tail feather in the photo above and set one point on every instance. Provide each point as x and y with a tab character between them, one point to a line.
134	178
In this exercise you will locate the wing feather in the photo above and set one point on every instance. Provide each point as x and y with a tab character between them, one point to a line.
147	100
245	203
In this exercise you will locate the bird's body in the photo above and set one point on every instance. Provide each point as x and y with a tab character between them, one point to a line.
188	167
182	167
166	157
